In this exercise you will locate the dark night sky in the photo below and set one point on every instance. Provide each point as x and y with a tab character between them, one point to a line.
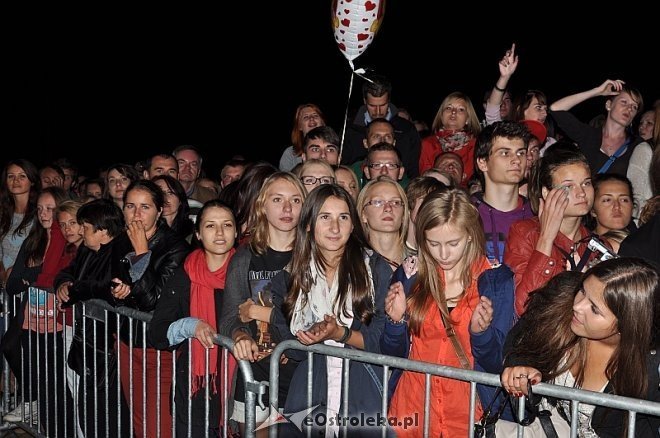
126	85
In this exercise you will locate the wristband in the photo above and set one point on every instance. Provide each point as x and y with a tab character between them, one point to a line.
502	90
347	334
403	320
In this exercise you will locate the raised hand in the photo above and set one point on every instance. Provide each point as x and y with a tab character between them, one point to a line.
551	214
509	62
482	316
610	87
138	237
395	302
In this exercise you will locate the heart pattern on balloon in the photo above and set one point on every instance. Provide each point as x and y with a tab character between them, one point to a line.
355	23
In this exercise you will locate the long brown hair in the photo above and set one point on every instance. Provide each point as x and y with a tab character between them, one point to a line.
37	241
550	310
8	204
440	208
259	221
351	273
632	295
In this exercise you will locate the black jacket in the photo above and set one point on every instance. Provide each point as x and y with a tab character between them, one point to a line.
91	272
407	141
173	305
644	242
168	252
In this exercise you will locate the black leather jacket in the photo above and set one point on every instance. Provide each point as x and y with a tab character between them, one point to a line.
168	252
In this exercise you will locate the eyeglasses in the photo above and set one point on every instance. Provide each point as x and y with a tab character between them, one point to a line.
379	203
378	166
311	180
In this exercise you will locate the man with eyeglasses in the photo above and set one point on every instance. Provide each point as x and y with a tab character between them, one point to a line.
378	131
501	161
383	159
376	96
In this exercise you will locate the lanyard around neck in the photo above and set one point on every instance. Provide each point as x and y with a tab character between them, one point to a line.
584	257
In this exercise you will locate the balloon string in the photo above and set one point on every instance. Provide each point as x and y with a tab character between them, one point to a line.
348	103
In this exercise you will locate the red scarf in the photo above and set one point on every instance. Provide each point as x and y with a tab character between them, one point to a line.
451	141
203	283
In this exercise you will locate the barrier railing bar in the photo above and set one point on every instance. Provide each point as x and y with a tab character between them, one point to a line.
545	389
386	389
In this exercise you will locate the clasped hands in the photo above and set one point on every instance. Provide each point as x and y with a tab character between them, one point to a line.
321	331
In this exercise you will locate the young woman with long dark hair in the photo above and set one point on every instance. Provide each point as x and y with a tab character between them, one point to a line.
600	335
332	293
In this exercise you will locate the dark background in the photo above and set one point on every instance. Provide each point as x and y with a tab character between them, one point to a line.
123	85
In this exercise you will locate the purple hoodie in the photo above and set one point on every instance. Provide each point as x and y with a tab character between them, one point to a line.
497	223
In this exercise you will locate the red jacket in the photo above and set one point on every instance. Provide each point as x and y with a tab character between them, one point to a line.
449	405
532	269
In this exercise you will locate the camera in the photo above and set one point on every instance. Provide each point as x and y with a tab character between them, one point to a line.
596	245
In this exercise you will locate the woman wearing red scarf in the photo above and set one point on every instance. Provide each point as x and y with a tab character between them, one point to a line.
190	308
455	129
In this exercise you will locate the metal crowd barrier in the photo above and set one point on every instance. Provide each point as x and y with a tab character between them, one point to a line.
51	414
633	406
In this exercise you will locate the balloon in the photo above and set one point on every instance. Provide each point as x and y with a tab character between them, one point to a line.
355	23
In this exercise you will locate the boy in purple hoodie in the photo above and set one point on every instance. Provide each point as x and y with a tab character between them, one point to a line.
501	161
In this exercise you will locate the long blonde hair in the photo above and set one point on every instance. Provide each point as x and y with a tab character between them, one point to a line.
441	208
472	127
260	236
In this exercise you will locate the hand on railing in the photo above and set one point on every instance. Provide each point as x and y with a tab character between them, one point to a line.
514	379
205	334
245	348
63	294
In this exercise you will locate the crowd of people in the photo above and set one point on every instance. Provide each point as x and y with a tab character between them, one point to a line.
525	245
